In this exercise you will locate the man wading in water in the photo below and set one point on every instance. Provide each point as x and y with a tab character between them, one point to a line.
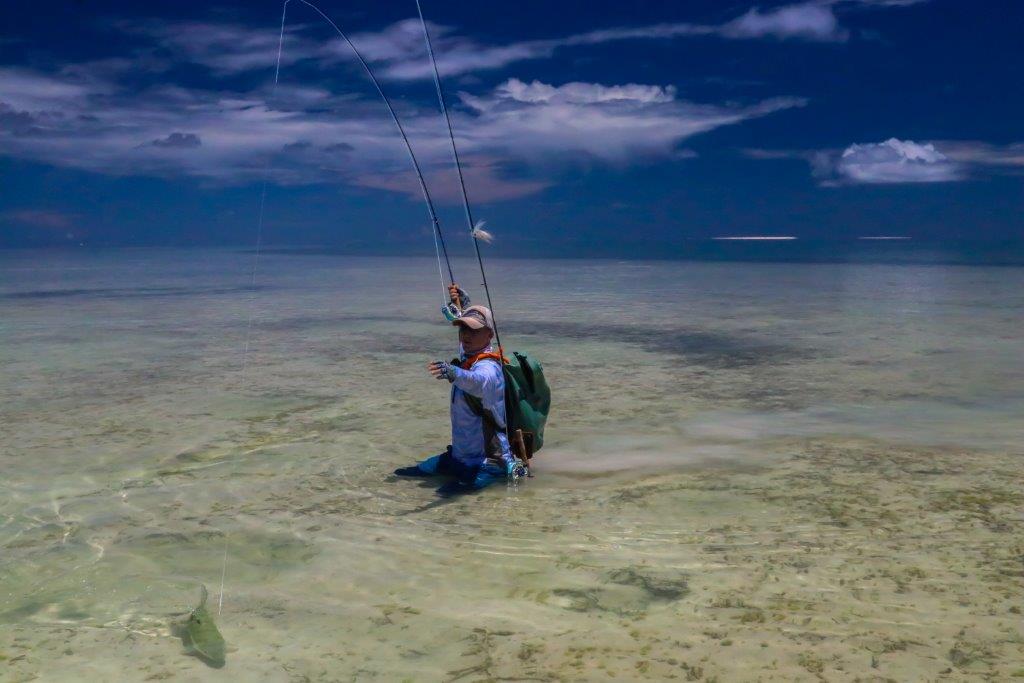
479	454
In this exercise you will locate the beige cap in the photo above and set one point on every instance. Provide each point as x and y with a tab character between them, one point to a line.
475	317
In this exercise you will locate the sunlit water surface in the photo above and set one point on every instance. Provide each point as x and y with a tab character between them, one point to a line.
752	471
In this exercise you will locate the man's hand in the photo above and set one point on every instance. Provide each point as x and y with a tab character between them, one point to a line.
458	296
441	370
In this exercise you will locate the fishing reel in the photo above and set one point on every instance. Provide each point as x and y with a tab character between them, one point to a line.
451	312
519	470
458	303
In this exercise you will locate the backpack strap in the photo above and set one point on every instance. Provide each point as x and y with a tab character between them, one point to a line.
519	442
472	360
477	406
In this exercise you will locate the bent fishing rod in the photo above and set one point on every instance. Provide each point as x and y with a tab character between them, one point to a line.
452	305
438	235
474	229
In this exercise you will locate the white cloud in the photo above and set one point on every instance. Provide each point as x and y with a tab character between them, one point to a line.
611	123
400	46
881	3
311	136
896	161
24	90
977	153
401	50
398	50
904	161
227	49
584	93
169	130
808	21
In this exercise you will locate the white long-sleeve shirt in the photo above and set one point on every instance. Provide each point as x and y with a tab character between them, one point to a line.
486	381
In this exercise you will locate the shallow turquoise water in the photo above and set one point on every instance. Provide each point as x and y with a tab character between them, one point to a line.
138	445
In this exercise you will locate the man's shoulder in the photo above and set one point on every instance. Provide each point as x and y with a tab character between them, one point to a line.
489	365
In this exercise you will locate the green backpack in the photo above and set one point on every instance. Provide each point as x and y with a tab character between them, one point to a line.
527	403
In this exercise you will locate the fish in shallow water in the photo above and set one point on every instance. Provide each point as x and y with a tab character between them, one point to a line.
201	635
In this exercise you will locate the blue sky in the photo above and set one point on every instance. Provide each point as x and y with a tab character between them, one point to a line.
586	127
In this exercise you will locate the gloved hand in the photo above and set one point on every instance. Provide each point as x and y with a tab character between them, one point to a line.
458	296
441	370
458	301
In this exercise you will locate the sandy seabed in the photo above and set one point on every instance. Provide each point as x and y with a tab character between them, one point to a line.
779	492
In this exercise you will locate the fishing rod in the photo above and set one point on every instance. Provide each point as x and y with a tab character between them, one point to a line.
252	295
438	235
476	233
452	305
474	230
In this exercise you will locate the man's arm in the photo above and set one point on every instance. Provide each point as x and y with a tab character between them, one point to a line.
483	377
476	381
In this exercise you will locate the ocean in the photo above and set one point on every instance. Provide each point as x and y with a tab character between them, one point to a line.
752	470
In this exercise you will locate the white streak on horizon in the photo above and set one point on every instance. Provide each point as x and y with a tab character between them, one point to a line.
768	238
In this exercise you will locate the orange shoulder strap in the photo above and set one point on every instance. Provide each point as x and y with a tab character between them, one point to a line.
472	360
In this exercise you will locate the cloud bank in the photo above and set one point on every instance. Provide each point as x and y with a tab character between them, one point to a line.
398	53
310	135
94	115
610	123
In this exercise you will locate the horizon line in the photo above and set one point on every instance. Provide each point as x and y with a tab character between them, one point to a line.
768	238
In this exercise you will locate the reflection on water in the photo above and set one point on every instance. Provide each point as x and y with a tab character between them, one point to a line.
752	470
